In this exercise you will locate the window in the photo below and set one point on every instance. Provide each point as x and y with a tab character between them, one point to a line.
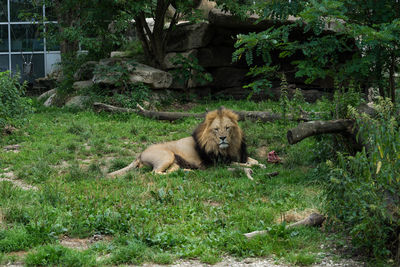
21	39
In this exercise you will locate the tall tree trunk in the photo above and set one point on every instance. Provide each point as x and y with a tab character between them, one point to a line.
65	20
154	41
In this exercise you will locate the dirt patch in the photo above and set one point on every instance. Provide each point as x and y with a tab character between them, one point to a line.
12	148
212	203
82	243
75	243
257	262
10	177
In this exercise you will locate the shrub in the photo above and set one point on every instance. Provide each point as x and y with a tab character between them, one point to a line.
362	190
13	105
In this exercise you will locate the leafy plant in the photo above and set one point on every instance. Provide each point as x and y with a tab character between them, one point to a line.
189	72
360	43
14	107
362	190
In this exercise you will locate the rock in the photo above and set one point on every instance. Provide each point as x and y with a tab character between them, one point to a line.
224	19
47	82
207	57
138	72
168	60
47	94
77	102
85	72
218	56
156	78
51	100
80	85
189	36
119	54
228	77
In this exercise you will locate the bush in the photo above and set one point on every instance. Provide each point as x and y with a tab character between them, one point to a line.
13	105
363	190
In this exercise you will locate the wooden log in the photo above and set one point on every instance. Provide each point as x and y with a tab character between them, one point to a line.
314	219
311	128
263	116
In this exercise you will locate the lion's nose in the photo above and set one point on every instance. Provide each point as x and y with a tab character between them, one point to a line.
223	138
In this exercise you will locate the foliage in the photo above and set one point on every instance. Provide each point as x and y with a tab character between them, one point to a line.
362	190
189	71
117	73
57	255
14	107
360	45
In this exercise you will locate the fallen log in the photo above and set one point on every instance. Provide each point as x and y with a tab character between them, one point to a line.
311	128
263	116
314	219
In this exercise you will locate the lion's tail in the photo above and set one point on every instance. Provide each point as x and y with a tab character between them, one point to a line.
135	164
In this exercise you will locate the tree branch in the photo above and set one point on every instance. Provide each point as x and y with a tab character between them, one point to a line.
311	128
263	116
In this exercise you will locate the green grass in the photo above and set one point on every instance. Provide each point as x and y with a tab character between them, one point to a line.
151	218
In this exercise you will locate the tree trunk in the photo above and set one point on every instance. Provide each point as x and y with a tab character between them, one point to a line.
65	20
311	128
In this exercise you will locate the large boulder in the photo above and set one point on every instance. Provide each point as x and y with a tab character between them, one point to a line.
229	77
77	102
80	85
169	58
51	101
189	36
85	72
47	94
138	72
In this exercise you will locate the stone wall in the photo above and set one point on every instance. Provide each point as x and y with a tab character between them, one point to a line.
213	42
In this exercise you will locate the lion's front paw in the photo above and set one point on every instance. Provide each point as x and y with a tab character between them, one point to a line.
262	166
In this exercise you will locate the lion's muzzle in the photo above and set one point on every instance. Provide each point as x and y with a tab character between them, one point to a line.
223	143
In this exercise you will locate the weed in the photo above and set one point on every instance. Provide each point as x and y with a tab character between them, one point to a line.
56	255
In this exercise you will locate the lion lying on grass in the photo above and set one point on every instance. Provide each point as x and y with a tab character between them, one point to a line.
218	139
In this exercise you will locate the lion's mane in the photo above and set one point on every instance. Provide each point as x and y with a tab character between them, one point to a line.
209	151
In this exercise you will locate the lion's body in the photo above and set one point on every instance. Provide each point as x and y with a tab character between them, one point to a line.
162	157
218	139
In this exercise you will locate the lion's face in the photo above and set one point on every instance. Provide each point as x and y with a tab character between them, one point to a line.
221	130
220	133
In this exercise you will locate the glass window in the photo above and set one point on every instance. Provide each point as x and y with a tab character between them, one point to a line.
28	71
22	10
3	63
26	37
52	44
3	11
3	38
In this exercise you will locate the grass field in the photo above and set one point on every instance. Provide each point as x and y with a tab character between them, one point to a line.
144	217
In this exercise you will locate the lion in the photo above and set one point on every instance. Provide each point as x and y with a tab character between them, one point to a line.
218	139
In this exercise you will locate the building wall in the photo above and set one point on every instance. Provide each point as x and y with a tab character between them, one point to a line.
22	46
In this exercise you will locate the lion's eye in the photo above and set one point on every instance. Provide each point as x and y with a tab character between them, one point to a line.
227	128
216	129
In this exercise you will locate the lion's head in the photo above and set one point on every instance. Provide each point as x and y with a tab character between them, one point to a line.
219	137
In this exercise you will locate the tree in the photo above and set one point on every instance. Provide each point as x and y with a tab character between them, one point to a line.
154	40
369	30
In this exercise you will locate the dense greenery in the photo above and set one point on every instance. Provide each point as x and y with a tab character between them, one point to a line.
361	43
13	105
362	193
